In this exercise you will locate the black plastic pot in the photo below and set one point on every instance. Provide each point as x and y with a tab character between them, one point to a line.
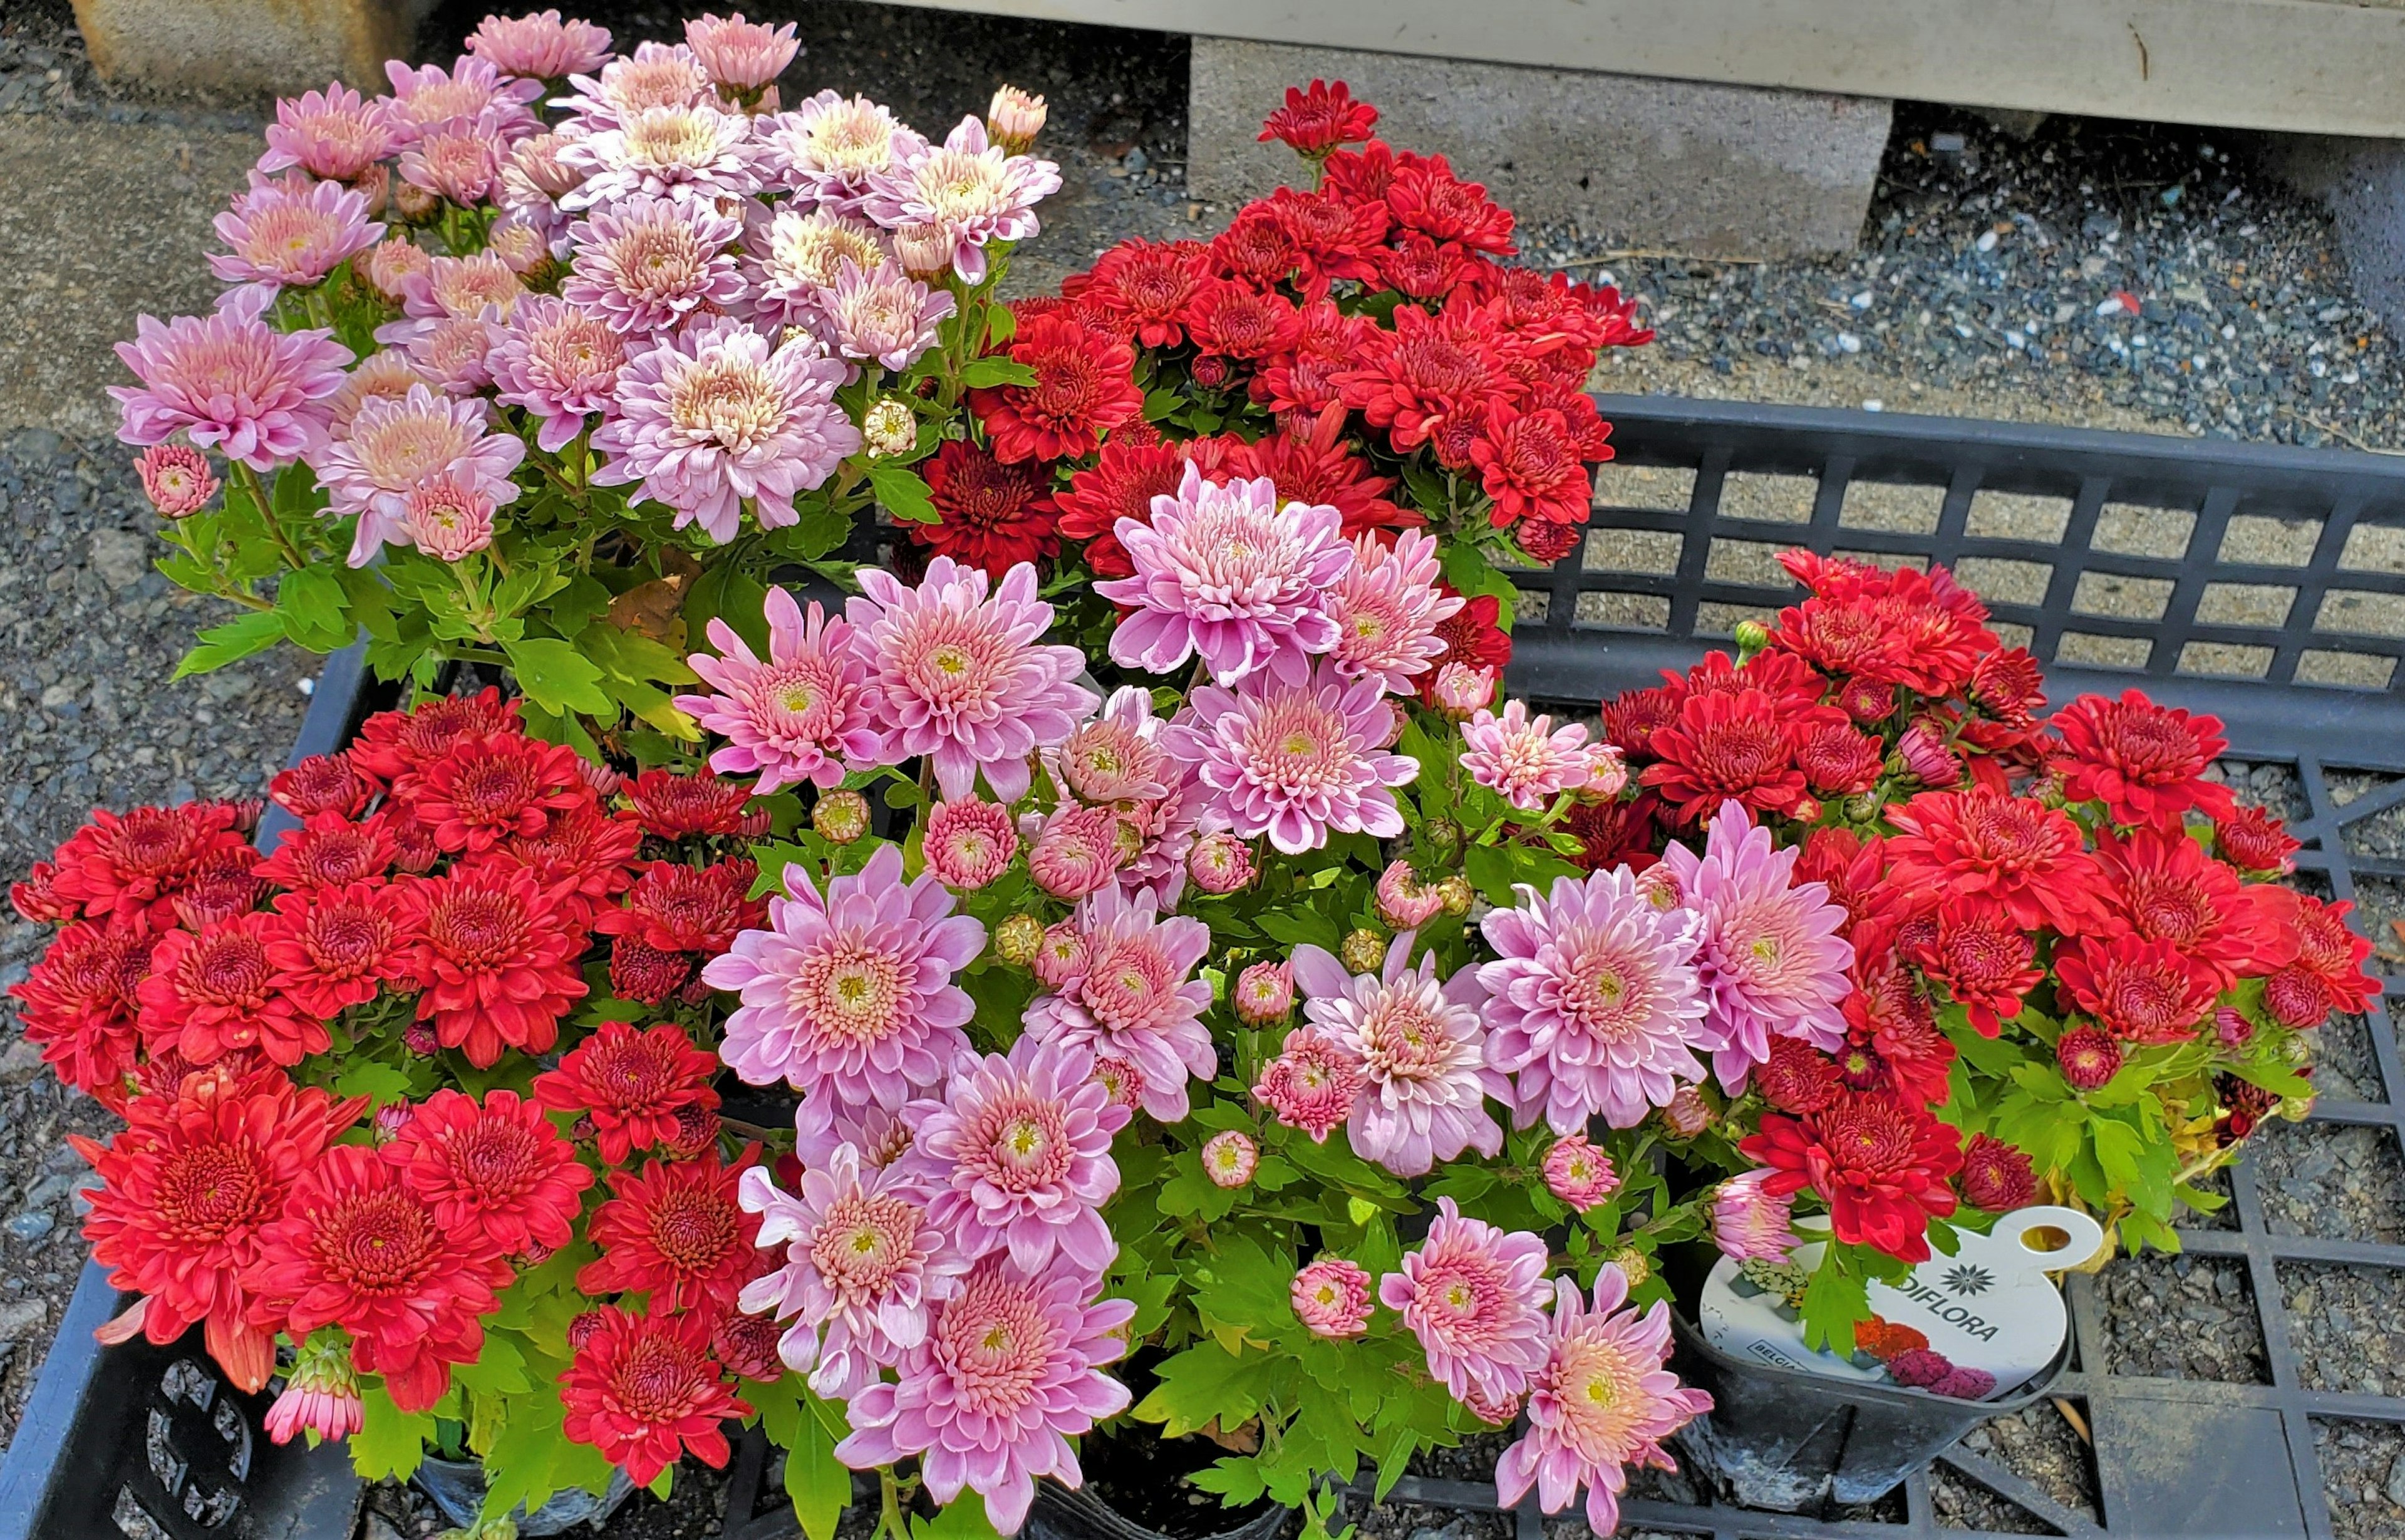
457	1488
1061	1514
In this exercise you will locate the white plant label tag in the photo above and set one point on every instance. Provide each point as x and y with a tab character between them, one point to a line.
1990	1309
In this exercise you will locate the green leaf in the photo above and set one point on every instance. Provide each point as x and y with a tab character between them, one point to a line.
904	494
231	642
311	602
961	1520
390	1442
982	372
1208	1384
559	678
498	1370
1160	404
1000	326
381	1084
1833	1300
818	1482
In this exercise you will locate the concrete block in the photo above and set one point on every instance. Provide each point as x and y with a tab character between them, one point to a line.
2362	182
1717	170
244	47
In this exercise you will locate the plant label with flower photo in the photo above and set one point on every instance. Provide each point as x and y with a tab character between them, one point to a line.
1973	1325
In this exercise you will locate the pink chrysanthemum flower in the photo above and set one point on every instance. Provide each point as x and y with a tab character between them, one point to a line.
1527	761
656	75
1117	757
533	180
692	154
458	159
1461	689
1294	761
1405	902
1386	608
1223	571
395	446
970	844
850	993
470	89
231	382
718	417
1008	1371
827	149
539	46
800	715
823	1124
645	264
335	134
447	519
1601	1402
1419	1049
1592	1002
1220	863
1229	1157
792	259
1578	1173
1769	955
883	315
560	363
1749	1223
863	1262
176	479
739	55
1475	1298
1313	1085
1075	852
1017	1154
452	352
291	232
967	189
479	284
963	674
1331	1297
385	376
1263	993
1134	996
321	1391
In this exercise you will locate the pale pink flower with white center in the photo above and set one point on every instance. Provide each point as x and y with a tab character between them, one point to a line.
848	993
1601	1401
451	352
1524	762
517	243
1135	996
1313	1085
1075	852
539	46
656	75
1770	957
1223	571
1331	1297
823	1123
973	191
694	153
1420	1050
1592	1002
970	844
739	55
1750	1223
458	158
1220	863
883	315
447	520
924	251
396	445
470	89
560	363
176	479
1263	993
335	134
533	179
321	1391
1475	1296
1010	1371
397	265
382	375
1404	902
863	1263
1293	762
231	382
963	674
1229	1157
1117	757
479	284
792	259
1606	773
1386	608
1462	689
718	417
291	232
646	264
1578	1173
828	149
1018	1154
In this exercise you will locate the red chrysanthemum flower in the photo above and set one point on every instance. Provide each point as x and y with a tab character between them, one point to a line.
642	973
1229	320
675	1232
1420	268
2328	948
1318	467
645	1391
356	1249
2252	840
220	891
689	909
1892	1043
1935	629
1306	377
2166	889
186	1194
1837	636
1798	1078
215	990
329	850
1427	196
1316	120
1429	371
499	1174
1724	746
126	864
673	806
1996	1176
1256	248
1474	635
322	783
632	1083
2145	763
2140	991
992	516
413	844
1120	484
2088	1057
332	948
1085	386
496	953
584	849
390	744
1837	760
1853	867
2247	1103
1881	1166
2008	686
1329	239
1363	176
747	1345
1551	314
1547	543
79	1003
1140	289
486	788
1529	465
1984	961
1631	718
39	899
2016	851
1787	679
1614	834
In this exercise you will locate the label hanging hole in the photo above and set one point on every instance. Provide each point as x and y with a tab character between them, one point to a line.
2045	1239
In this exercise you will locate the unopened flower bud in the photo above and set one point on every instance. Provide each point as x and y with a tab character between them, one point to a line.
1017	939
1606	775
391	1119
1750	637
582	1326
1493	1410
756	822
374	183
1014	120
2088	1057
1210	371
1220	863
1228	1157
1458	895
1061	956
924	251
1926	757
890	428
1403	903
1861	808
1264	993
1579	1174
1633	1266
418	1038
1462	689
2230	1028
840	816
1331	1297
1363	951
415	204
176	479
1807	811
1687	1114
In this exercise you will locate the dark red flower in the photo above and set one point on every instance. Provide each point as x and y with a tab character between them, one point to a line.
1140	289
2252	840
1996	1176
1427	196
1233	321
675	1232
1797	1078
390	744
2247	1103
1546	544
992	516
674	807
1330	238
140	861
78	1003
1722	747
1473	636
1985	962
1304	378
1317	119
1551	314
1085	386
1631	718
496	953
2328	947
632	1083
645	1390
1431	370
1880	1165
499	1174
322	783
1316	464
489	787
39	899
2145	763
2016	851
215	990
2167	889
1256	248
332	948
747	1345
1120	484
2140	991
2008	687
1614	834
1893	1043
2088	1057
413	844
1837	760
1421	268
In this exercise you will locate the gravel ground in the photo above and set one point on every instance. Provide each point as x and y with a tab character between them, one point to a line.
2181	1317
2363	1470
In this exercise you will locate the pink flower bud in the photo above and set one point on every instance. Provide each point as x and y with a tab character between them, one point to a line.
1462	689
1660	886
418	1038
1220	863
1121	1079
1493	1410
741	55
924	251
1014	120
1402	901
391	1119
1228	1157
1749	1223
841	815
1606	774
321	1392
1061	958
2230	1028
1076	851
176	479
447	520
1579	1174
1264	993
970	843
1688	1114
1924	753
1331	1297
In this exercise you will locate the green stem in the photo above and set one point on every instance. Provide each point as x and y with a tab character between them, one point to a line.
889	1520
480	614
257	491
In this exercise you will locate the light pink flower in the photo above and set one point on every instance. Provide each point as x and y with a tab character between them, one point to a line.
1749	1223
970	844
447	519
395	265
533	180
1075	852
971	190
1592	1002
458	158
829	148
1220	863
231	382
291	232
1017	1154
1601	1402
1293	762
863	1263
321	1391
1331	1297
1061	958
963	674
1117	757
1386	608
471	88
792	259
382	375
1606	773
479	284
692	153
539	46
1224	572
718	417
1770	956
1462	689
1229	1157
1926	757
1419	1049
1008	1371
397	445
884	315
1475	1296
335	134
1132	996
176	479
451	352
1263	993
800	715
1578	1173
1313	1085
560	363
646	264
850	993
823	1123
1524	762
656	75
1404	902
743	55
